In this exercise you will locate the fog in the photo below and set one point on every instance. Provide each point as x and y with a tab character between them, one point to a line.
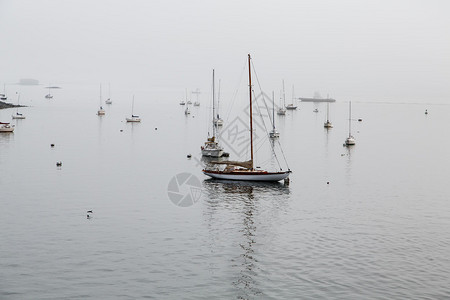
387	50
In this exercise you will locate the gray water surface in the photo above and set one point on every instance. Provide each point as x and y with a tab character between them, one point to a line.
378	230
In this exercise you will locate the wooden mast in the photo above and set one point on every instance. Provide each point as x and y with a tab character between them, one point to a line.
251	112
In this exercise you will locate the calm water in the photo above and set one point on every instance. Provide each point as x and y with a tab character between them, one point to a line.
378	230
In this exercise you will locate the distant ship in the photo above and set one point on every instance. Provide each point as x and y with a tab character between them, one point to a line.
317	98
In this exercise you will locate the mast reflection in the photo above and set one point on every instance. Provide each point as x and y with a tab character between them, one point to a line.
233	210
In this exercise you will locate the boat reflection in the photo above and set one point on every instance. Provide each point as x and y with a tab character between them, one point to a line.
239	218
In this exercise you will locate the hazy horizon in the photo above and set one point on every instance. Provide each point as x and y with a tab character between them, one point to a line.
352	50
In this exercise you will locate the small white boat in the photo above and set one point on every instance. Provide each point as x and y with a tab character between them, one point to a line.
101	110
18	115
108	101
291	106
316	110
49	95
218	121
3	96
281	111
5	127
328	123
274	133
350	141
212	147
197	92
182	102
187	110
133	118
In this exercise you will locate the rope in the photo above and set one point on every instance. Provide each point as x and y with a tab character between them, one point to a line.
236	91
273	148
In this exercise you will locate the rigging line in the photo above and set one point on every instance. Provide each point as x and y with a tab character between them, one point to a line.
284	157
273	149
260	114
264	100
230	107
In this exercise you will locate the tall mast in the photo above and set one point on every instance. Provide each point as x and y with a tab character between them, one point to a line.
328	111
349	119
292	95
218	101
284	96
214	112
273	110
132	107
251	112
100	94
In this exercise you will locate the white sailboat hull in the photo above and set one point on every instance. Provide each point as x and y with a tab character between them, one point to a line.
18	117
248	176
328	125
7	129
350	141
135	120
274	134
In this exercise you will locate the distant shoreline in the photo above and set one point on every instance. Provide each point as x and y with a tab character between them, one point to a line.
8	105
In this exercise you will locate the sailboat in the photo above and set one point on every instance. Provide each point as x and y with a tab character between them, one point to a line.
133	118
328	123
282	109
18	115
5	127
350	140
109	101
3	96
218	121
245	171
274	133
101	110
291	106
49	95
212	147
197	92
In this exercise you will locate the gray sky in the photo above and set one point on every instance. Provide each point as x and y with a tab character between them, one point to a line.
386	50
